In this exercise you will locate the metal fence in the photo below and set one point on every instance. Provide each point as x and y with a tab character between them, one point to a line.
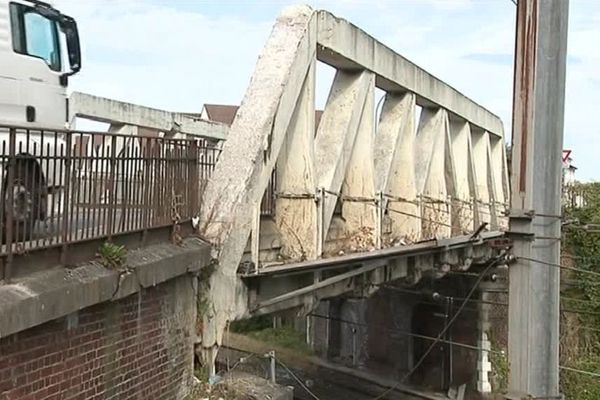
59	188
63	187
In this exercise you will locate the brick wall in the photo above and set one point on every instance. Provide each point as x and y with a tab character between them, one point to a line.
140	347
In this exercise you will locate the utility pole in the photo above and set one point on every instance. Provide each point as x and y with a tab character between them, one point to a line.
538	118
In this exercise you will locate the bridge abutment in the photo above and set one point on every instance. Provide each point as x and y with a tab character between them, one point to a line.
95	333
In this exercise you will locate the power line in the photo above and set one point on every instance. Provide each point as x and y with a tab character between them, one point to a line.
588	328
420	217
410	334
443	331
560	266
580	312
491	302
583	301
314	396
574	257
579	371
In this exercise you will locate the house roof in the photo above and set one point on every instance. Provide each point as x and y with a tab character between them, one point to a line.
221	113
226	113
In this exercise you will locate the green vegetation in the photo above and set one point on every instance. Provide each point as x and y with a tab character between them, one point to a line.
580	342
577	386
251	325
260	328
500	370
112	256
285	336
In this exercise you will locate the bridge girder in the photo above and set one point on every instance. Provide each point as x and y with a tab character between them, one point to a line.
397	183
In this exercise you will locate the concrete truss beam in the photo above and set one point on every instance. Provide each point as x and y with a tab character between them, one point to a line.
340	125
345	46
111	111
434	172
296	207
247	161
393	151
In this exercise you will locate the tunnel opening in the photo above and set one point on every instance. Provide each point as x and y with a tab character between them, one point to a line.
451	361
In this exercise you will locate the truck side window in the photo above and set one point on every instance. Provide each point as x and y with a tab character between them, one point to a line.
35	35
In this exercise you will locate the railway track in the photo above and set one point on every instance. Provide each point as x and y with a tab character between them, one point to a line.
326	380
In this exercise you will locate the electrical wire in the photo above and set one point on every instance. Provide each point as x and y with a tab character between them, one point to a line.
491	302
580	312
574	257
314	396
419	217
579	371
582	301
443	331
409	334
560	266
588	328
241	360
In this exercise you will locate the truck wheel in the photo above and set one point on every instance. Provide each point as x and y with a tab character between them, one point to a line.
23	197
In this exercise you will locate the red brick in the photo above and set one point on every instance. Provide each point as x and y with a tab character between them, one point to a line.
51	362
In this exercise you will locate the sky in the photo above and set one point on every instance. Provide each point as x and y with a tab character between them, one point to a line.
179	54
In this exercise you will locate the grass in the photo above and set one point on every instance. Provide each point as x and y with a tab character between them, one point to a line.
112	256
286	337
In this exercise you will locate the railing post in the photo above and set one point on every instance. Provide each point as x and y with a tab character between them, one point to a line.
320	234
112	186
149	179
193	178
272	366
66	199
380	213
12	164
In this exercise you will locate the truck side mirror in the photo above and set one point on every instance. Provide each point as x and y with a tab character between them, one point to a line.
69	27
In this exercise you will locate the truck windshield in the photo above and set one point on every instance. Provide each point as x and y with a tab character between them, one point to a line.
35	35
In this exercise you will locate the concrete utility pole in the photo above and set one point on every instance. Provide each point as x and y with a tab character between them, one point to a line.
538	116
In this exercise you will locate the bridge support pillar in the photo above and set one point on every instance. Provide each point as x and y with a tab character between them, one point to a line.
321	325
353	331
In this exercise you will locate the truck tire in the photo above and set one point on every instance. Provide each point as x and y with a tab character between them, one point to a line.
25	197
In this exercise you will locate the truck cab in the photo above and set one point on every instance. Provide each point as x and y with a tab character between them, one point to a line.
39	50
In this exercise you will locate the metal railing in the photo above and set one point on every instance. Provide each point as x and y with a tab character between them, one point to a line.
64	187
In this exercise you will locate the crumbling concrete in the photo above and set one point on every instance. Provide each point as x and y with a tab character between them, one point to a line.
249	155
55	293
253	387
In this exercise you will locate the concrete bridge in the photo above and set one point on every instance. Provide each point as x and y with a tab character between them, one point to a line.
367	197
361	202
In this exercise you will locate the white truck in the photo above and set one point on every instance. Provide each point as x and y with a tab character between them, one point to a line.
39	50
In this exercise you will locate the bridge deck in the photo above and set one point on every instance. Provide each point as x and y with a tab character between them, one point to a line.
356	259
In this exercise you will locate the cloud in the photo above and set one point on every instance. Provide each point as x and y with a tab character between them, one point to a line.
490	58
179	55
163	57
